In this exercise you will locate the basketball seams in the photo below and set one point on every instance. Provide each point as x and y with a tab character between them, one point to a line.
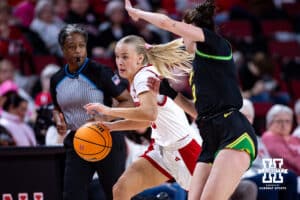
91	142
102	151
92	128
97	139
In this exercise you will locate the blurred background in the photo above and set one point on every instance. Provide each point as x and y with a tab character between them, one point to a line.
264	34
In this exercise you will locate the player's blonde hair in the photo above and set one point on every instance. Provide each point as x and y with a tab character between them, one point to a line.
165	57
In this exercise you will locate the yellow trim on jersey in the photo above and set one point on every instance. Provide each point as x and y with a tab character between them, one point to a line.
193	87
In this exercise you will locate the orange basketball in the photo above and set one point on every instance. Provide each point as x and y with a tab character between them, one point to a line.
92	142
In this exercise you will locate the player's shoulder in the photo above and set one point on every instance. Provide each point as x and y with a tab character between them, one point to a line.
152	69
147	71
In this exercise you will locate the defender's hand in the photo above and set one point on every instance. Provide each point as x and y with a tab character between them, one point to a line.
132	12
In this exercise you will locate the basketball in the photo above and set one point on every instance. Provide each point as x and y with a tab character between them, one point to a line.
92	142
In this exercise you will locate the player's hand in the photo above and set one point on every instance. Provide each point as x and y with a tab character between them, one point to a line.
132	12
96	116
91	108
106	124
59	120
154	83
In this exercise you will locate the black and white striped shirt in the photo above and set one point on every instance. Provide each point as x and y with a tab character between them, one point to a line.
91	83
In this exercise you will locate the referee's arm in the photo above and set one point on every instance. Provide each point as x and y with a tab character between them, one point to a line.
124	99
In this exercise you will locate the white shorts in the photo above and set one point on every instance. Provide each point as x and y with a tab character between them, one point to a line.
176	161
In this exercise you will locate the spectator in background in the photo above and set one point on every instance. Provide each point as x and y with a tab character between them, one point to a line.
44	126
5	87
6	138
47	25
183	5
80	12
7	71
257	82
61	8
12	41
12	118
253	174
266	9
24	12
296	132
113	29
44	96
291	69
278	139
145	5
33	38
8	78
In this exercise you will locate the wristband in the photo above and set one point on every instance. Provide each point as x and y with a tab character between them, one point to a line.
166	89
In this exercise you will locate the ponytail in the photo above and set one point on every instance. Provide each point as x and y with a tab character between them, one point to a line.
167	58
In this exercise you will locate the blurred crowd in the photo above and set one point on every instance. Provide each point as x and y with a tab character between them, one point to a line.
265	35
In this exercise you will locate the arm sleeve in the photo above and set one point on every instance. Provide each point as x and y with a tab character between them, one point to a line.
140	81
166	89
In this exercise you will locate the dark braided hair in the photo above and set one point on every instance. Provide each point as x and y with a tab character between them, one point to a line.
202	15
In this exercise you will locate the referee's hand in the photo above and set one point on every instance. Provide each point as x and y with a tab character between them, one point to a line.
61	125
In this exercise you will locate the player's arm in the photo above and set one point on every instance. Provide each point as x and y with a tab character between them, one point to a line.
163	87
146	111
124	99
126	125
164	22
59	120
186	104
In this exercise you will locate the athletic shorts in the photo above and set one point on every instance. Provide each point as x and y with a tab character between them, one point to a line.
227	130
176	161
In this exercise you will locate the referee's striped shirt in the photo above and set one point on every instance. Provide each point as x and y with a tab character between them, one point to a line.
91	83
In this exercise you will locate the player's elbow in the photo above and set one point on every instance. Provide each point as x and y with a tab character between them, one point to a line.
153	117
165	22
151	114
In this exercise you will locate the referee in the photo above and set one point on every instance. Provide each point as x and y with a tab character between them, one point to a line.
79	82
